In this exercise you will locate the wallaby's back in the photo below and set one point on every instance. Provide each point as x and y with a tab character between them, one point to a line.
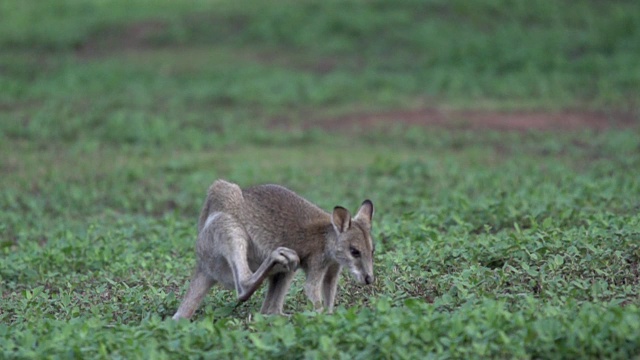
271	210
275	204
276	215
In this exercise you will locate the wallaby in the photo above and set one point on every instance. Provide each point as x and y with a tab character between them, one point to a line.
248	235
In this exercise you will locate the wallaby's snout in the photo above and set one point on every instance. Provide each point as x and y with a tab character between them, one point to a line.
367	271
368	279
364	269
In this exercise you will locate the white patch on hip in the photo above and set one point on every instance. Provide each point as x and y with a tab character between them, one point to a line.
212	217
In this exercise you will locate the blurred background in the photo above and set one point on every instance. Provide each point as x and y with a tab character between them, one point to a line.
136	105
137	71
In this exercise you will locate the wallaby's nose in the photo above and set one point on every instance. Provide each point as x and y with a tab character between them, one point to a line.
368	279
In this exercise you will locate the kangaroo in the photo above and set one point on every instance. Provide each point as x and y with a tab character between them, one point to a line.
266	232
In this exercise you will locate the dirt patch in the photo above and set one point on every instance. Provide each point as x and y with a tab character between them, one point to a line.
565	120
136	36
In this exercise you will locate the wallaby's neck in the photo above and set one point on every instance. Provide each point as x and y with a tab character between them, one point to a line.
322	237
331	244
330	240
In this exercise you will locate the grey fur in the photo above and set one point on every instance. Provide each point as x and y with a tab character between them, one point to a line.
267	232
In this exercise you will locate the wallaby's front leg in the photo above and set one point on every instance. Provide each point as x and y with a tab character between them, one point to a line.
278	285
329	286
313	288
247	284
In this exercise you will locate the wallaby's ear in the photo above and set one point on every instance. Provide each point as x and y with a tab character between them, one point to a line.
366	211
341	219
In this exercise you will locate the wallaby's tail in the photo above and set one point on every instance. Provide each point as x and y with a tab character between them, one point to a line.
222	196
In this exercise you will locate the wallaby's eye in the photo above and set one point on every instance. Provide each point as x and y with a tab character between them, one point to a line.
354	252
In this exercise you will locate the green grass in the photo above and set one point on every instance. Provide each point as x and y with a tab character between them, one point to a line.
115	116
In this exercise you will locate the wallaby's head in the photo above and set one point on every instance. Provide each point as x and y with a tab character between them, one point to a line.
354	245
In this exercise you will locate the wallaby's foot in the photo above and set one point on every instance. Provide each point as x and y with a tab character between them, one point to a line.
287	258
282	256
276	313
178	316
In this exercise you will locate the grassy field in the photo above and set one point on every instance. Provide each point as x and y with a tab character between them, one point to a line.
115	116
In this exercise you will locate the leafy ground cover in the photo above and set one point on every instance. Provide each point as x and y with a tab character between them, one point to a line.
498	139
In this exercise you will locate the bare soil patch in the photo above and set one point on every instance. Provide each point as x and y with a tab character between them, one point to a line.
145	34
565	120
136	36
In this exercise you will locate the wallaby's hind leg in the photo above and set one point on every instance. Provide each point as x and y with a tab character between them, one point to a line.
221	240
224	236
278	285
198	288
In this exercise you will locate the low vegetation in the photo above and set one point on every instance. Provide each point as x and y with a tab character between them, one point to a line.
115	116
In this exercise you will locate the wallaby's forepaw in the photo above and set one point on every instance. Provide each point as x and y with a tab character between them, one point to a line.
287	258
